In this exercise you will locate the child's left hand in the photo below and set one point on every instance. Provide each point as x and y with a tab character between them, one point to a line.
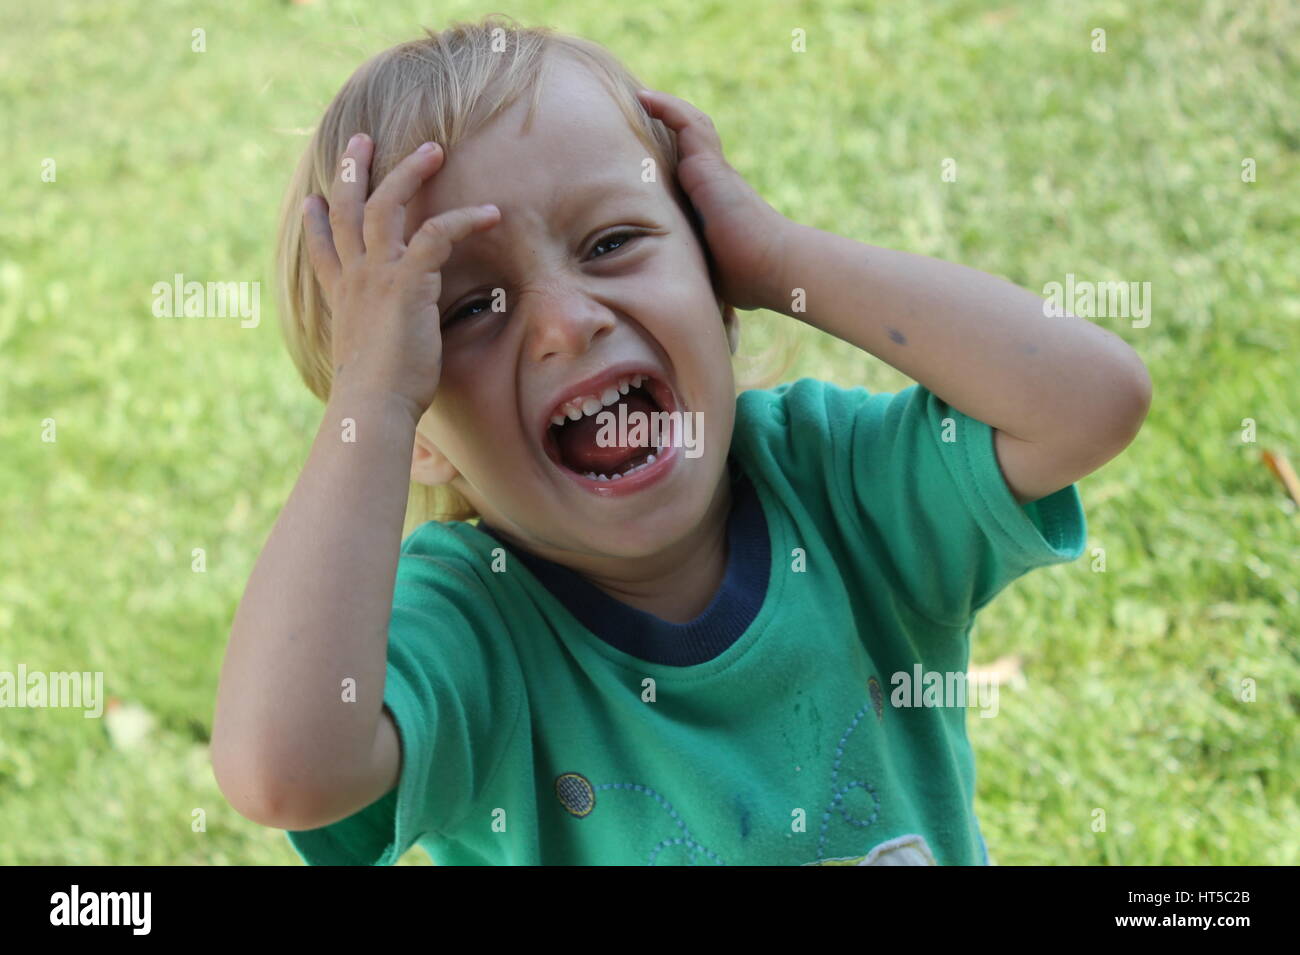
745	235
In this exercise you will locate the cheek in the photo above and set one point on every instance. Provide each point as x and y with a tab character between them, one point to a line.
471	425
452	420
679	287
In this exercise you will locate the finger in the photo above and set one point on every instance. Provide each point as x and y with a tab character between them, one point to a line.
431	245
320	242
347	198
385	223
694	128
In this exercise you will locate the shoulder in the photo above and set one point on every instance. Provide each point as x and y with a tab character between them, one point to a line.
807	401
444	574
778	400
452	625
453	551
805	420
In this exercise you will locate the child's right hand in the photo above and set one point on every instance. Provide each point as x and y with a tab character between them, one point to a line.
383	293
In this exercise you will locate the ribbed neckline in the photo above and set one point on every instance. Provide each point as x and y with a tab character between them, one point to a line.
650	638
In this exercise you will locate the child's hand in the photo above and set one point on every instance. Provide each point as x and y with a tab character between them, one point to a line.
745	235
382	292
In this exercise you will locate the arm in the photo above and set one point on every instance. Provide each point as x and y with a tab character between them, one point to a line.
287	750
315	612
1064	394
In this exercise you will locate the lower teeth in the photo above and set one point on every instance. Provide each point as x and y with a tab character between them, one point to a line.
650	459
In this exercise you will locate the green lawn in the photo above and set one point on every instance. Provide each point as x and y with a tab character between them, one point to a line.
175	433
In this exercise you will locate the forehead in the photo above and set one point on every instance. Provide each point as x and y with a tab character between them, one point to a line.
577	148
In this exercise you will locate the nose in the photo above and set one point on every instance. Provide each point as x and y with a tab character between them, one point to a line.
562	320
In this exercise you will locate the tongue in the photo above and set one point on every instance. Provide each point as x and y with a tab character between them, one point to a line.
577	439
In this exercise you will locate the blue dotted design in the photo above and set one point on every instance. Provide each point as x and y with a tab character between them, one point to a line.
858	784
576	806
683	840
838	792
694	846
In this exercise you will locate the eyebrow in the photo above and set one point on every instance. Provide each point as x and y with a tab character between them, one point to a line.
577	199
600	191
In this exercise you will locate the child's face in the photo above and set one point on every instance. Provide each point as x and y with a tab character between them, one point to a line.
575	307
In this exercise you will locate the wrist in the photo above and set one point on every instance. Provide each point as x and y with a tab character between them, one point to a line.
352	400
777	284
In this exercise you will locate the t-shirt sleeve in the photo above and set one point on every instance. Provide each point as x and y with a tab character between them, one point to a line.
453	700
927	477
918	483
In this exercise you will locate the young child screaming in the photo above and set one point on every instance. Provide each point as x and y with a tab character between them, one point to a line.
689	627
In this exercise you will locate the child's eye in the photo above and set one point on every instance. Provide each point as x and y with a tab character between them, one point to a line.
464	310
616	237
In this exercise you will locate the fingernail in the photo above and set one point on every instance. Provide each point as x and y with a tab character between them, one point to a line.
306	204
427	149
489	207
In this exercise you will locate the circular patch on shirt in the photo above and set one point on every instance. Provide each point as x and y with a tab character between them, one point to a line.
575	794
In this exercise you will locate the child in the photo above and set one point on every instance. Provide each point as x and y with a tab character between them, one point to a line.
648	650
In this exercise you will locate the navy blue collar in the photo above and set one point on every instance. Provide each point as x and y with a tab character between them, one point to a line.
650	638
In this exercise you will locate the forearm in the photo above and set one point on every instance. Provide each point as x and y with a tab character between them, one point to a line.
316	611
980	343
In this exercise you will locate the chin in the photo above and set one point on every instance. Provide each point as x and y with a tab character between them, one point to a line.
651	532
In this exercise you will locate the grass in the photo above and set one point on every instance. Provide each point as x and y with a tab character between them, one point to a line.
176	434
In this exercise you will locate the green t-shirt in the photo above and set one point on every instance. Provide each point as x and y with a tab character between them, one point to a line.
543	722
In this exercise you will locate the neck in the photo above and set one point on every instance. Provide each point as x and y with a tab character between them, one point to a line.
676	584
680	582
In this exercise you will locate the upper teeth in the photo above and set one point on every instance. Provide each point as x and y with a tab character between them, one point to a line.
583	405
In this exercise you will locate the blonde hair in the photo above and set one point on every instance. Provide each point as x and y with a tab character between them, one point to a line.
441	88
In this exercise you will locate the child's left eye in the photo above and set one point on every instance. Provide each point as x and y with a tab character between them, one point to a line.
464	311
625	236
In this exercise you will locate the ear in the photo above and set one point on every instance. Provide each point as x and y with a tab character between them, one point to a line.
428	465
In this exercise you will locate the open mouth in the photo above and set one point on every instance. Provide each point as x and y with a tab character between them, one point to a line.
578	435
